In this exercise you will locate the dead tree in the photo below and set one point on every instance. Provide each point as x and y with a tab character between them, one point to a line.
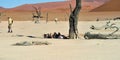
70	8
67	14
73	21
65	17
1	14
37	17
112	35
47	17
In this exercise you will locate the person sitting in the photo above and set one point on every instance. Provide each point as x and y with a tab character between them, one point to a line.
65	37
58	35
49	35
45	35
54	35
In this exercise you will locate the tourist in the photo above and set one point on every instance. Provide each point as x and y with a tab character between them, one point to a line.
10	22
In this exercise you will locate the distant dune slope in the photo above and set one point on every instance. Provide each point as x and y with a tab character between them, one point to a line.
56	6
2	9
112	5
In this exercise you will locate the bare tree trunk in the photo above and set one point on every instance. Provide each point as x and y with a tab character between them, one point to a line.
0	16
73	21
47	17
38	12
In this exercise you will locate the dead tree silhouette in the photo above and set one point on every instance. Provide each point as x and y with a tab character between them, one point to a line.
73	21
1	14
112	27
36	17
108	24
110	35
47	17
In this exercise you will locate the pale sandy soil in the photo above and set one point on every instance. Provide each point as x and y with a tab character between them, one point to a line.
59	49
62	16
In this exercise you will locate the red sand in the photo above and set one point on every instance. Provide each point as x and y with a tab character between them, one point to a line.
112	5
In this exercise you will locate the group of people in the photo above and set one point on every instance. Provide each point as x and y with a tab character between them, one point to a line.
55	35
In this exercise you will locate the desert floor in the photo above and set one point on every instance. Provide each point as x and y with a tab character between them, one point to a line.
62	16
59	49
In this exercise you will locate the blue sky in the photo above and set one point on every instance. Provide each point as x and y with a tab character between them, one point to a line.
14	3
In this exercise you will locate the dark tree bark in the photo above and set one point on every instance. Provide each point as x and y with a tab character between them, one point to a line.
1	14
38	12
47	17
73	21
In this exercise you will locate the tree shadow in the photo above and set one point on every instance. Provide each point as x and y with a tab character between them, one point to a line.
20	35
31	36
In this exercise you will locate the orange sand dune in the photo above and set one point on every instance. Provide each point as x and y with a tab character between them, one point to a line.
112	5
52	6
